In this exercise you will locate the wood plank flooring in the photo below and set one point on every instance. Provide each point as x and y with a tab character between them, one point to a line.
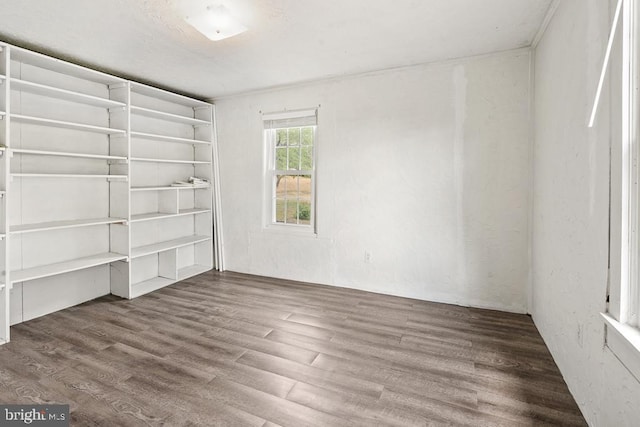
233	349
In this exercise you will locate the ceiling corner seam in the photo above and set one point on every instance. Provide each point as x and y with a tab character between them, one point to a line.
551	11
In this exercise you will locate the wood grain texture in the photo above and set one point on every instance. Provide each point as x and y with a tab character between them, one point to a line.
239	350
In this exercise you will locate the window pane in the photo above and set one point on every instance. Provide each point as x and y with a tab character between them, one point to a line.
279	210
291	186
294	158
307	136
281	186
294	136
281	137
281	158
305	187
304	212
306	154
292	211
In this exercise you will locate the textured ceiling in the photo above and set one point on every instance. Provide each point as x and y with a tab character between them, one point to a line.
288	41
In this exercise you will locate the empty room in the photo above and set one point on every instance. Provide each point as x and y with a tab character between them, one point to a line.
320	213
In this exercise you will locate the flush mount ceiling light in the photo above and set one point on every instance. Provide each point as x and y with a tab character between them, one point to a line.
216	23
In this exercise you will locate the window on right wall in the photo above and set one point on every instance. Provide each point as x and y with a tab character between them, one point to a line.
622	317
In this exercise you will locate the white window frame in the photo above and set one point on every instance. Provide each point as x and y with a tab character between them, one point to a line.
281	120
622	319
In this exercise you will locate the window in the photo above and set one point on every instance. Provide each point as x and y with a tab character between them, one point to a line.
630	292
622	318
625	209
290	139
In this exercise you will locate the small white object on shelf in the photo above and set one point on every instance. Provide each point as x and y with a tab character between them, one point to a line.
192	182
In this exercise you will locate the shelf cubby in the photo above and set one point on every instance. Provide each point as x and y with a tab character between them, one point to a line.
157	114
166	138
39	60
192	270
57	225
165	96
67	154
150	285
175	161
167	245
162	215
170	187
64	94
69	175
66	125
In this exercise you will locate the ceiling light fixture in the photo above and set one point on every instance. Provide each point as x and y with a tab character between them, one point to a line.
216	23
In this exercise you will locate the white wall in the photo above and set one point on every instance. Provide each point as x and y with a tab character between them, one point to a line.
570	214
427	168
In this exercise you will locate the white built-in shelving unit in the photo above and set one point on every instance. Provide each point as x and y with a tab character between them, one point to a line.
88	204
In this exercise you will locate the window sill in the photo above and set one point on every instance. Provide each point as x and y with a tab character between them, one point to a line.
291	230
624	341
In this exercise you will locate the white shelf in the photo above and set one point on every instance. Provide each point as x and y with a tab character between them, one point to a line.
169	187
151	216
64	267
192	270
56	225
185	162
67	95
68	175
165	138
162	215
59	66
167	96
147	112
141	288
167	245
66	154
150	285
66	125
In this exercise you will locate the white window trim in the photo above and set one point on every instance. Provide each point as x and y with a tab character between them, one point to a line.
269	174
622	333
624	342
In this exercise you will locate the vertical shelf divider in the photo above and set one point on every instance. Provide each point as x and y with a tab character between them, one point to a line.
120	192
5	281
